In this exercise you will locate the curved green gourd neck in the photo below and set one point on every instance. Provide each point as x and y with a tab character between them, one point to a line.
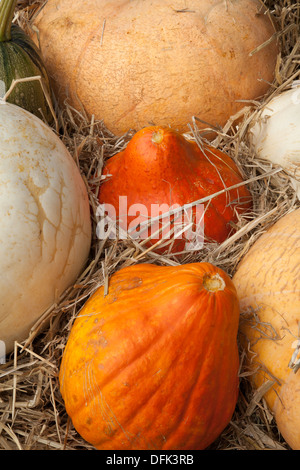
7	9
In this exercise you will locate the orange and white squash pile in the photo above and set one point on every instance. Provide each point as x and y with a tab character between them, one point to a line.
152	362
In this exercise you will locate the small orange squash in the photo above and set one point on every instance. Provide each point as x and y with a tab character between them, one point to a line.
268	286
154	363
160	168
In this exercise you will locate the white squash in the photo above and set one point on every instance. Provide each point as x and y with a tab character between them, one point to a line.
274	134
45	230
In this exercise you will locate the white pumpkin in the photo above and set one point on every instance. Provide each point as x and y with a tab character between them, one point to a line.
274	134
45	230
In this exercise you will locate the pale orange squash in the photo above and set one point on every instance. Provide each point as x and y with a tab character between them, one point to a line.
138	63
268	286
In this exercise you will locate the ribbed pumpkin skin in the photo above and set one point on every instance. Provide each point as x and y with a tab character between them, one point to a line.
175	171
154	363
268	286
20	58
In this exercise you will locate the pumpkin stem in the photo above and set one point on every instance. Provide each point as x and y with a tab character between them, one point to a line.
7	9
157	137
213	283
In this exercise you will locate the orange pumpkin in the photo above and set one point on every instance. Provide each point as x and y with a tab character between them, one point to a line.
154	363
160	169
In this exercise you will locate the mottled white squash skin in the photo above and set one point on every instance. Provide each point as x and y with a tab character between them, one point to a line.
141	62
274	134
45	229
268	284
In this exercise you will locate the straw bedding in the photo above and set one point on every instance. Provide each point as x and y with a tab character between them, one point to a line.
32	414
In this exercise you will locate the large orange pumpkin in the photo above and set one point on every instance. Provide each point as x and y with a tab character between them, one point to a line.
154	363
141	62
159	170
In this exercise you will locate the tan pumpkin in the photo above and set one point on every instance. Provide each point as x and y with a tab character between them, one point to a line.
268	286
154	363
138	63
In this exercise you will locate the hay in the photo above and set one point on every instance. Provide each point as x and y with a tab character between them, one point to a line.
32	413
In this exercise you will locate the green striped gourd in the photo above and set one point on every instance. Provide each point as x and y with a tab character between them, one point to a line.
20	58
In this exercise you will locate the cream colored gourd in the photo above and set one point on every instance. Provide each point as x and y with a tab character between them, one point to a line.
268	286
274	134
45	230
140	62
